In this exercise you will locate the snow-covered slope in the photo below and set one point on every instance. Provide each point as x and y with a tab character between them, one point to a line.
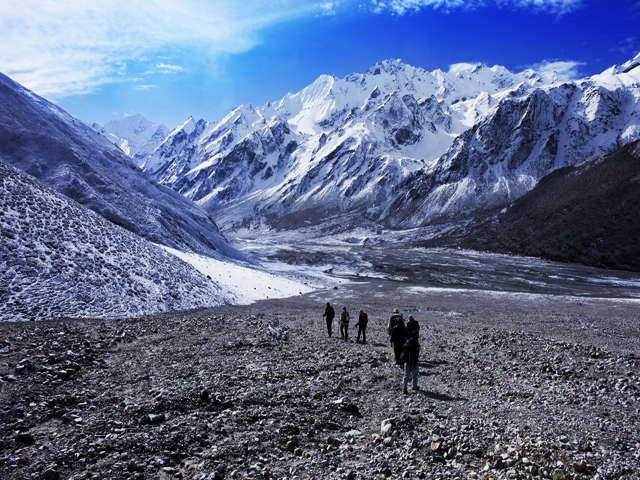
135	135
60	259
337	145
526	136
46	142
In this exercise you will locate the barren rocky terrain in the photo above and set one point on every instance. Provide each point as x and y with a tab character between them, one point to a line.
512	386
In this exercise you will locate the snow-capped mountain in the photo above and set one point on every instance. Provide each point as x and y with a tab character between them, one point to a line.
397	144
135	135
43	140
59	259
337	145
526	136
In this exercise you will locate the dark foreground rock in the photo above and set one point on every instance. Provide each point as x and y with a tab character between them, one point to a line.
541	387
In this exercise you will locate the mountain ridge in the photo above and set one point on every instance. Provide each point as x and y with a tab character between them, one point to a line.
400	145
43	140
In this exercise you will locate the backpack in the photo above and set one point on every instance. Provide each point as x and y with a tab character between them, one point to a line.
410	352
364	318
395	321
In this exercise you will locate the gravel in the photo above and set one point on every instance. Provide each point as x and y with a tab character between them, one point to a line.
511	387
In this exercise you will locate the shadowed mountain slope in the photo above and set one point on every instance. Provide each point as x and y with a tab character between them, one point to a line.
46	142
586	213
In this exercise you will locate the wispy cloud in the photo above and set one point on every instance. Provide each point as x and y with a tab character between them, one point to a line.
60	48
145	86
563	69
169	68
67	47
402	7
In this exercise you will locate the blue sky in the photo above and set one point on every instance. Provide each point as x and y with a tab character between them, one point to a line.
168	59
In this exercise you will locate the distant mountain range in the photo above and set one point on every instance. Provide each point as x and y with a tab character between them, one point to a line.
396	146
135	135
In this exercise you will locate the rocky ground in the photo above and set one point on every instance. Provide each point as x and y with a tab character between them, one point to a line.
512	386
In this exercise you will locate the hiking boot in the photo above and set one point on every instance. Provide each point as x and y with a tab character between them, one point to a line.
405	391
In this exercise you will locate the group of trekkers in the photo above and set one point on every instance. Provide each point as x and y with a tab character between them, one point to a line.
405	339
343	320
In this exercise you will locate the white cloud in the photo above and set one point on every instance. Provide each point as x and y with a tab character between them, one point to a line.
169	68
401	7
563	69
145	86
65	47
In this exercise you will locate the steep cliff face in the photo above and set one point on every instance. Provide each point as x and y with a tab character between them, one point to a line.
586	213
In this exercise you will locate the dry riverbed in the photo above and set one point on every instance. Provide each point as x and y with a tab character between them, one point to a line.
512	386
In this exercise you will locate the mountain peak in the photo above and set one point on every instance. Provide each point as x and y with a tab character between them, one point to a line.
187	126
466	67
135	121
391	66
629	65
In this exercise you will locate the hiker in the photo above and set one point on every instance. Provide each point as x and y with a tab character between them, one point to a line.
344	324
363	319
410	355
397	334
413	328
329	313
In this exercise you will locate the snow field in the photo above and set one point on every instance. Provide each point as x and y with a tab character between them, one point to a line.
244	284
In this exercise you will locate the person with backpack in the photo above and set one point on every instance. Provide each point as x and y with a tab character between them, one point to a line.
397	334
413	328
410	355
344	324
363	319
329	313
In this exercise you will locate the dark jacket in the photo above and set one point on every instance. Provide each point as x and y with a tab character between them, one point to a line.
413	328
411	352
398	334
329	312
395	320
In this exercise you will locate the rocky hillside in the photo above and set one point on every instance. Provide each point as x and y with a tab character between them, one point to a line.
46	142
586	213
59	259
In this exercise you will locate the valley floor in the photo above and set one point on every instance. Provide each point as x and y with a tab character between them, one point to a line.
512	386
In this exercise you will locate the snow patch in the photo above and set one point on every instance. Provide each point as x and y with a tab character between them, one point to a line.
245	284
